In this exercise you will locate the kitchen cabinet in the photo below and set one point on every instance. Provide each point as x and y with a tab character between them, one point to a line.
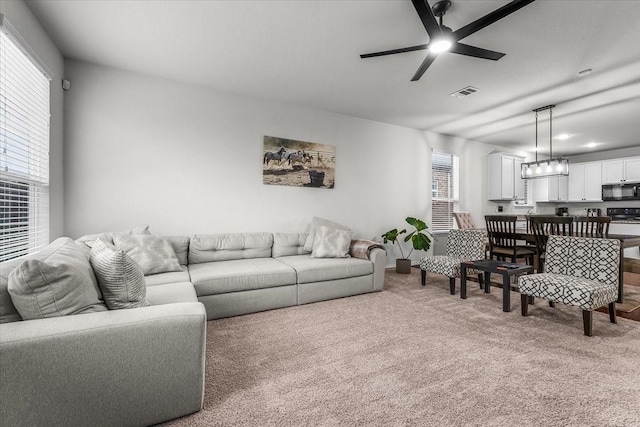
621	170
551	189
503	177
585	182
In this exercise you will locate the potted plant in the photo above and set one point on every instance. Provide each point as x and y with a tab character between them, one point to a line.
419	241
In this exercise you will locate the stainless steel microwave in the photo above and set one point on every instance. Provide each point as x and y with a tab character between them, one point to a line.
621	192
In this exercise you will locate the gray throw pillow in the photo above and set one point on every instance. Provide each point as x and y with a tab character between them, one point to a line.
315	223
58	284
331	243
152	253
119	277
106	237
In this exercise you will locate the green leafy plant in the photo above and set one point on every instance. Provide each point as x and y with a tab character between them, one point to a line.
420	236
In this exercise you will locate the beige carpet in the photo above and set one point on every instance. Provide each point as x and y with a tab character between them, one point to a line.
418	356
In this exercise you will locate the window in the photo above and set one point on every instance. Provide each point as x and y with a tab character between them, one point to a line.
24	150
444	190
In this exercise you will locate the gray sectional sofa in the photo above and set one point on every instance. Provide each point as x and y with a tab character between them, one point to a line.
243	273
145	365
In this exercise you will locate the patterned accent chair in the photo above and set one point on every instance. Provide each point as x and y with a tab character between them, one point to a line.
464	220
462	245
579	271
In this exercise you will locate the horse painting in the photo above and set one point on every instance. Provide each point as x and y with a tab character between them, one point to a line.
297	163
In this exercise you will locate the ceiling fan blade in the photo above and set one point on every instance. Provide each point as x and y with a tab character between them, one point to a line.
478	52
428	19
423	67
392	51
489	19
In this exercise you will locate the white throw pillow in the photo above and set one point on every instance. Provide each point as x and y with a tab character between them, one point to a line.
317	222
107	237
55	284
120	278
331	243
152	253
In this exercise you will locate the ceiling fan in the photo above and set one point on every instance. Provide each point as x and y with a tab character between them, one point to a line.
442	38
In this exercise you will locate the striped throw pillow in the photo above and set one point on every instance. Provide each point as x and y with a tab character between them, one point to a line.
120	277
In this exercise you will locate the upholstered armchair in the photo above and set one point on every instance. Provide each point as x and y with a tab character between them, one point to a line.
462	245
579	271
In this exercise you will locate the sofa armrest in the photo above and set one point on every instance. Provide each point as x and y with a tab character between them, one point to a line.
123	367
379	259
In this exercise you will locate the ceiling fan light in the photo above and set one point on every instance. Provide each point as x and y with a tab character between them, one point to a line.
440	45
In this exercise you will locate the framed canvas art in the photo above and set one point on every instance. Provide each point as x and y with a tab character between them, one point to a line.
298	163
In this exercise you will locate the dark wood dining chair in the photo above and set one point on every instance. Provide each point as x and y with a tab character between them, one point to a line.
592	226
542	226
503	239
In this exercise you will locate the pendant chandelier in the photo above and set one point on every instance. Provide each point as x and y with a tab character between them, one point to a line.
550	166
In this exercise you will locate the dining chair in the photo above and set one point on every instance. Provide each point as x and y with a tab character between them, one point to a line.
542	226
592	226
462	245
503	239
464	220
579	271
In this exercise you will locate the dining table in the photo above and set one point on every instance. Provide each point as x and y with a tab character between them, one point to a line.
626	240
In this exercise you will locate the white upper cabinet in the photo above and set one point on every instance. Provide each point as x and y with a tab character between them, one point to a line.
621	170
503	177
585	182
551	189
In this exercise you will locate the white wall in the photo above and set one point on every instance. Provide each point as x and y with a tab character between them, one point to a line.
187	159
28	28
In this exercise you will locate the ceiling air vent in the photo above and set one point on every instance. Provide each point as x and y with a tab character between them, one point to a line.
469	90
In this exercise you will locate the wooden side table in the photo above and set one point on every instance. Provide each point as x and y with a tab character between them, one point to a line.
506	269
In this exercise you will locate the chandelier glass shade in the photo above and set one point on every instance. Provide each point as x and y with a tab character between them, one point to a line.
549	167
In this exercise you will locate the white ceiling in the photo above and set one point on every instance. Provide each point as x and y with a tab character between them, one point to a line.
307	53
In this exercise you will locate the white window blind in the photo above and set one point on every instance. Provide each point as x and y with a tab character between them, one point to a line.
24	151
444	189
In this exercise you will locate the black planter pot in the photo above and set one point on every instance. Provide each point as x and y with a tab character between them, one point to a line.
403	266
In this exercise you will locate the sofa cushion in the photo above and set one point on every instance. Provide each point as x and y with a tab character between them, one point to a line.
286	244
240	275
311	270
313	227
59	282
120	277
171	293
152	253
331	243
169	277
229	246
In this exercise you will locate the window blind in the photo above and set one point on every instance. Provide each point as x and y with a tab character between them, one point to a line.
444	189
24	150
